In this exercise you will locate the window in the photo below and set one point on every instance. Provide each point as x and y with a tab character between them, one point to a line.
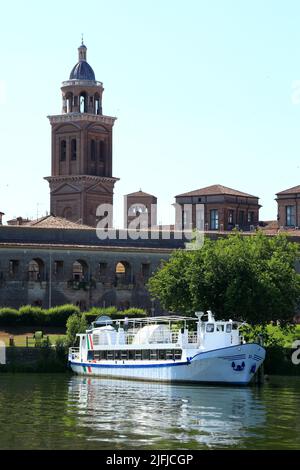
63	151
73	149
250	217
93	150
102	150
214	219
210	328
228	328
13	267
231	217
290	216
58	268
145	270
102	269
220	328
241	218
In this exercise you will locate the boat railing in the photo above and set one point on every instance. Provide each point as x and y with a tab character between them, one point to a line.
193	337
169	338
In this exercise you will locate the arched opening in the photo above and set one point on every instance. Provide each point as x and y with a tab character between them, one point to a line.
36	270
97	103
69	101
73	149
137	209
102	150
63	151
80	271
93	150
83	104
123	273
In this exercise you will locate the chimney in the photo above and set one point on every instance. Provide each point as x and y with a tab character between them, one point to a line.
1	215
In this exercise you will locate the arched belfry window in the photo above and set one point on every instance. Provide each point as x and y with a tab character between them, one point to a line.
69	99
93	150
97	104
83	103
73	149
63	150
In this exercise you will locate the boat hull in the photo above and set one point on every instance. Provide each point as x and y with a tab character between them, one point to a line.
231	365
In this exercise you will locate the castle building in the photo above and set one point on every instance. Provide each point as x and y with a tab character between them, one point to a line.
224	209
81	176
289	208
140	204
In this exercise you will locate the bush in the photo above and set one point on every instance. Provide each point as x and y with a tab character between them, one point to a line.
132	313
8	316
33	316
58	316
95	312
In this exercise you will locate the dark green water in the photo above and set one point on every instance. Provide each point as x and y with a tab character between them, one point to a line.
69	412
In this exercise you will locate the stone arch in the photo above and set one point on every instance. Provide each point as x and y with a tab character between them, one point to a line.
83	102
36	270
123	273
80	270
69	102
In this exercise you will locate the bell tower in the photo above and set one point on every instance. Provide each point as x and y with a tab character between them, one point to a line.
81	172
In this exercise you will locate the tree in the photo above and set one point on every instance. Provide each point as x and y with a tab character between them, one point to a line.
75	324
251	278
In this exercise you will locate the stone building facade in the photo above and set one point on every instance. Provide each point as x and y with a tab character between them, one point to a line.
224	209
81	176
289	208
54	261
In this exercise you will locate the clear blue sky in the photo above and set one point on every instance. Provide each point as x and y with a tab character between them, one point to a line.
202	91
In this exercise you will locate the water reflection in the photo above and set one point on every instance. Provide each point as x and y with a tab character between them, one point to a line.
69	412
148	413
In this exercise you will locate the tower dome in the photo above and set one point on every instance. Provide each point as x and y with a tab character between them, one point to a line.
82	70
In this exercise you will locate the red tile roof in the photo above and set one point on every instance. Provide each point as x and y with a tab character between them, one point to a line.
56	222
294	190
139	194
215	190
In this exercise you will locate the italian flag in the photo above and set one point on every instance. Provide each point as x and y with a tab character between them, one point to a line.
90	342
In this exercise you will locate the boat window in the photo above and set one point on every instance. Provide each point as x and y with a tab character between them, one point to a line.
146	354
153	354
220	328
117	355
131	355
162	354
228	328
178	353
210	328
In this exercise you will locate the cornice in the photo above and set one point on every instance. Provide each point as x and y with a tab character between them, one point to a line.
74	117
65	178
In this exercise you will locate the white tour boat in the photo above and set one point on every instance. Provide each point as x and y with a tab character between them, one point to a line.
165	349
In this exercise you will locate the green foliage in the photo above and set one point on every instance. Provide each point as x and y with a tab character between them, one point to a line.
272	335
113	312
76	323
58	316
8	316
29	315
251	278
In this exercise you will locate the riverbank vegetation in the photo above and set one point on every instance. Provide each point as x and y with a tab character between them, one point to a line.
58	316
247	278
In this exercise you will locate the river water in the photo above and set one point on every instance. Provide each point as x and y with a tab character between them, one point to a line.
59	411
